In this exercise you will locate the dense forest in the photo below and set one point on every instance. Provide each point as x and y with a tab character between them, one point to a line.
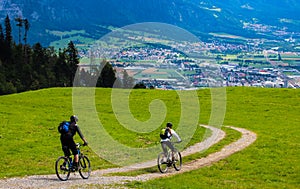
24	67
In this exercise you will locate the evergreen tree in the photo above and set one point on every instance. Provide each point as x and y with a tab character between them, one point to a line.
8	32
49	66
140	85
26	73
16	71
23	67
2	79
61	70
43	62
84	79
2	44
7	56
128	82
27	26
38	58
19	21
107	76
72	61
118	83
1	34
279	57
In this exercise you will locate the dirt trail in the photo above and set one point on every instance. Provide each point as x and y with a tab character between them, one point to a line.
99	178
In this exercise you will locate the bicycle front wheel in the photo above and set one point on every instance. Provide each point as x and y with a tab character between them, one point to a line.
84	167
162	163
62	168
177	163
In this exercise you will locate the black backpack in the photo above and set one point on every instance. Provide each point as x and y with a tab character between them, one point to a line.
164	133
63	127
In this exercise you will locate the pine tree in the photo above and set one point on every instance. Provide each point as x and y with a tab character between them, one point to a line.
2	44
62	70
1	34
27	26
72	61
19	21
128	82
107	76
8	32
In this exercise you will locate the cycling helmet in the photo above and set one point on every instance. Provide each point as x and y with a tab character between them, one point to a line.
74	118
169	124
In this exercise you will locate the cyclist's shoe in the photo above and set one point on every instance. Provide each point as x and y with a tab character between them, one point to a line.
162	161
169	160
75	168
63	168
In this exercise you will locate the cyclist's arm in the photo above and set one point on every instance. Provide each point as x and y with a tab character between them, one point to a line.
176	135
80	134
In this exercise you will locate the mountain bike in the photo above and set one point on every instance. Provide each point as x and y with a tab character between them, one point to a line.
164	161
63	166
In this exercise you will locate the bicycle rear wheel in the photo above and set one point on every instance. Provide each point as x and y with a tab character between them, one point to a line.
62	168
177	163
162	163
84	167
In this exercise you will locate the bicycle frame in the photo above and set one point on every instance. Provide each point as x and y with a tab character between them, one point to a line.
172	158
63	166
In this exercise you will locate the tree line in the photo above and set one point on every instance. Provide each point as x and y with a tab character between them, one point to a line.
26	67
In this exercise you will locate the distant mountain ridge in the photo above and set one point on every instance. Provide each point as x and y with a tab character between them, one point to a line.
197	16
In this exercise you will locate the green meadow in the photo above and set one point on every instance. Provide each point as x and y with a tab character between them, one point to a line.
30	142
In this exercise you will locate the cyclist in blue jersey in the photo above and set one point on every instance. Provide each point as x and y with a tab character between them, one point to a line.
68	143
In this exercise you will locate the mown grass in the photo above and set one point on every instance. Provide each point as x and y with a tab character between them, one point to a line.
273	161
28	133
231	136
30	142
29	139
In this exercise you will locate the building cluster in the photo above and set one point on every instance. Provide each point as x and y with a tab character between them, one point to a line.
195	66
209	75
254	77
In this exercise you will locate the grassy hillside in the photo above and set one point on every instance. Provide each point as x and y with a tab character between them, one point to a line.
28	133
30	142
273	161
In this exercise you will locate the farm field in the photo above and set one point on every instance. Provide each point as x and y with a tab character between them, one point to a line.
30	141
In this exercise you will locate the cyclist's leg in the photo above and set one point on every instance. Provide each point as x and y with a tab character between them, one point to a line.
65	145
75	153
170	145
165	150
66	151
164	147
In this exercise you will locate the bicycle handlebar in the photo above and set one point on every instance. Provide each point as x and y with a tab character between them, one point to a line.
177	142
78	144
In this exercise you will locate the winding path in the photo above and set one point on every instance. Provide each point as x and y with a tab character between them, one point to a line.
99	178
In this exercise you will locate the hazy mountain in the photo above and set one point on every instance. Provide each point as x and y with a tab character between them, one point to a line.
197	16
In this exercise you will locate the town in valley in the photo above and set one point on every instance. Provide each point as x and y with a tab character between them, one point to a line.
193	65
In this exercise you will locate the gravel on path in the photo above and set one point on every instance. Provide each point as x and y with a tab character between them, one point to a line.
98	177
